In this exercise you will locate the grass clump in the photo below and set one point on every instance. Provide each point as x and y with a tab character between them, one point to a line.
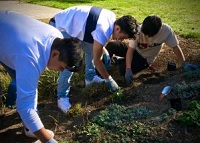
47	84
76	110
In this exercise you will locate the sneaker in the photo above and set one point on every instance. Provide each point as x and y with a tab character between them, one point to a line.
64	104
96	79
28	133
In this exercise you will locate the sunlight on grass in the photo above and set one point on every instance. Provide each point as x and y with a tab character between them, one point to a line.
181	15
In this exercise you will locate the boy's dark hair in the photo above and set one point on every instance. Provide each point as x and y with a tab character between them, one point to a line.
70	52
128	25
151	25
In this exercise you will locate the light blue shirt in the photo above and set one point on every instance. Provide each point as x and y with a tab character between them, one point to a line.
25	46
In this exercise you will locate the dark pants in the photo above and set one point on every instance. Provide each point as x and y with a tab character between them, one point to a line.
119	49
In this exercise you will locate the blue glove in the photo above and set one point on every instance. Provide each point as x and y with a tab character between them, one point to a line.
112	84
189	67
129	76
106	60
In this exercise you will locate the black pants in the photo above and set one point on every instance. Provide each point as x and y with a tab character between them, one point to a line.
119	49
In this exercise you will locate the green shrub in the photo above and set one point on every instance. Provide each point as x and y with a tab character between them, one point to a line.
192	74
116	114
118	124
192	116
187	90
47	85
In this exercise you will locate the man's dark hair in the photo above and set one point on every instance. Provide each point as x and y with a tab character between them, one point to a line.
70	52
151	25
128	25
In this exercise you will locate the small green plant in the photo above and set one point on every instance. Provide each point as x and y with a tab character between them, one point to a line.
170	112
4	83
116	114
76	110
92	129
118	124
187	90
192	74
47	85
192	116
117	96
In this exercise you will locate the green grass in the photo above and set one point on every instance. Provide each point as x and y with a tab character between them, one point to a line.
181	15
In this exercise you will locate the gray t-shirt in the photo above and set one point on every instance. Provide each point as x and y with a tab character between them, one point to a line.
149	47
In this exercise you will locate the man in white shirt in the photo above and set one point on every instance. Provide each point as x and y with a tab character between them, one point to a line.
27	47
140	53
93	27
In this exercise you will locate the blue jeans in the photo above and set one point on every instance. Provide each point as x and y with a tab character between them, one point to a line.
65	75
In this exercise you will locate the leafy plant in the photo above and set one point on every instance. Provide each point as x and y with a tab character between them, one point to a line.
192	74
118	124
192	116
92	129
187	90
170	112
4	81
118	96
76	110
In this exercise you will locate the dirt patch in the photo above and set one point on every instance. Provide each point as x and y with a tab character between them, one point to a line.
144	91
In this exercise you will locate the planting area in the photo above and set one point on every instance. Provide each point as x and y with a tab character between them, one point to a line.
133	114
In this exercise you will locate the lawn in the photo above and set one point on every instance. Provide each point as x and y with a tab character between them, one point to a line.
181	15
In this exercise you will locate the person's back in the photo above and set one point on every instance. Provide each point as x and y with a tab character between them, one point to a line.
139	54
16	35
73	20
93	26
27	47
149	47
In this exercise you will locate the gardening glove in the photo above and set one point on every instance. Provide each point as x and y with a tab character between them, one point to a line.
106	60
129	75
112	84
189	67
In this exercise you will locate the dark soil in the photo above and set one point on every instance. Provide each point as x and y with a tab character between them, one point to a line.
145	90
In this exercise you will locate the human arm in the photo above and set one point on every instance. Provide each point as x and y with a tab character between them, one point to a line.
27	76
179	53
129	58
97	54
44	136
129	73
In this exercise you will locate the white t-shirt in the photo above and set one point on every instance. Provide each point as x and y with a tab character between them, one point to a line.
149	47
73	21
25	46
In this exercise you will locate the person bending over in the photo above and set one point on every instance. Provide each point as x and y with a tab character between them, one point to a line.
139	54
27	47
93	27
